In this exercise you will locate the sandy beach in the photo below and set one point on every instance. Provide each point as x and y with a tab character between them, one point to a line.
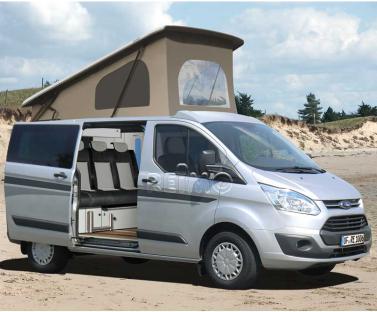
101	283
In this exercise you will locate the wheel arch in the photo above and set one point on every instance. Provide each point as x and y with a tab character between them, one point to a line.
227	227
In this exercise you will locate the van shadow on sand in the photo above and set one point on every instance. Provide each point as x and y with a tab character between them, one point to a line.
172	272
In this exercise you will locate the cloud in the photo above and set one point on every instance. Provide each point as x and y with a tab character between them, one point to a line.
8	80
53	39
61	20
305	33
149	16
291	52
288	52
25	67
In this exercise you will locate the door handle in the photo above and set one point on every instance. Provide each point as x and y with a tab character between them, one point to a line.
60	175
152	180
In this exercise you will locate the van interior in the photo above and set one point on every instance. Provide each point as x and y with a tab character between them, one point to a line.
108	168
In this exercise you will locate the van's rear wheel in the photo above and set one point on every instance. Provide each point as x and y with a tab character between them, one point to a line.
320	270
47	258
230	261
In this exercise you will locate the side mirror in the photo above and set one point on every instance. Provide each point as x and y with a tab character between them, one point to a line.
207	157
181	169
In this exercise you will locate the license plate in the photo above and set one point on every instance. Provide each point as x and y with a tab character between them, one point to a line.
354	239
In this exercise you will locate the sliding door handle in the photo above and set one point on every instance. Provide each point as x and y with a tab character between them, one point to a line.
61	175
152	180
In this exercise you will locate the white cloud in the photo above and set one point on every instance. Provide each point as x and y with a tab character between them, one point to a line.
8	80
287	54
52	39
62	20
147	16
26	67
291	52
306	33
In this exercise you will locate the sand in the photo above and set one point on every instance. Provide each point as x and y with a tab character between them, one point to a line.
101	283
319	141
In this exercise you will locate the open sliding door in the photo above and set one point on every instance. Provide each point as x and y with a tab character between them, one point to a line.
38	181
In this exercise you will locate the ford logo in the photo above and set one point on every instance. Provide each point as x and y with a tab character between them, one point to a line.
345	204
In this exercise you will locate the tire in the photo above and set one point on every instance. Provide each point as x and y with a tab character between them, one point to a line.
228	251
131	260
46	258
317	271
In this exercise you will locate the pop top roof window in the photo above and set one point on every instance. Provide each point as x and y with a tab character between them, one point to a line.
202	83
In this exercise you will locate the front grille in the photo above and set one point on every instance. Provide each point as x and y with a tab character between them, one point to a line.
348	251
340	204
345	223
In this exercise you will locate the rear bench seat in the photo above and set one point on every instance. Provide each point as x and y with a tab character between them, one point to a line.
112	169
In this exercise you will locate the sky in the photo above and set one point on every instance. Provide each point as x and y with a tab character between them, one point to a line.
290	50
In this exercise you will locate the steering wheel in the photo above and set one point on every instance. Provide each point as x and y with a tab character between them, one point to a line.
221	175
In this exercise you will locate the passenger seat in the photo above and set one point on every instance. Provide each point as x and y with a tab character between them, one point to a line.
108	192
126	165
83	165
105	168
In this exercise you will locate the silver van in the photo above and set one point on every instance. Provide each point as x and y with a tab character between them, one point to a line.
218	189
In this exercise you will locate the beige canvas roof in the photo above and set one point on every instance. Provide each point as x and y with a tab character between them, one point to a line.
170	69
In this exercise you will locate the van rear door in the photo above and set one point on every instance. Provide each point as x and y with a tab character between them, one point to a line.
39	173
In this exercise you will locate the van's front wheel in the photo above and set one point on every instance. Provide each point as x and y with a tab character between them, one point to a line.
230	261
46	258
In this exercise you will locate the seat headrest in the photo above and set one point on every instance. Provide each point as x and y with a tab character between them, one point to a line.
99	146
81	146
175	145
120	147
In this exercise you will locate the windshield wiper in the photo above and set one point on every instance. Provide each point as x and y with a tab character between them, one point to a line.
301	169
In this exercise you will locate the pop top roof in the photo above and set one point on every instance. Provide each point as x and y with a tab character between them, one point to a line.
176	33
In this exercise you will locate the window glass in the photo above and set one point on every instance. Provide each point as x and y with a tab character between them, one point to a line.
171	146
44	145
202	83
176	144
260	146
110	87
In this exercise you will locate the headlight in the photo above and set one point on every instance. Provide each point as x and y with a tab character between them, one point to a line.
287	200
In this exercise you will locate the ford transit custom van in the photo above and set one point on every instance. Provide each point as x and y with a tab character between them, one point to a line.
221	190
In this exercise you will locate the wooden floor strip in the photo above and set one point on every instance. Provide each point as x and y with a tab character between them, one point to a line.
124	233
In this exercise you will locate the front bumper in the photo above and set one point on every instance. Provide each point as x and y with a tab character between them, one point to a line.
298	249
307	247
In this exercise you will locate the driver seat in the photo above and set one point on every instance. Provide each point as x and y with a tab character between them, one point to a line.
174	153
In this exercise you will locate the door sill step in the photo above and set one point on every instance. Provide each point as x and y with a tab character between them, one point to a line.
109	243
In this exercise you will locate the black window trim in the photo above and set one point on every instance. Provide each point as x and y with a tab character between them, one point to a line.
193	129
75	150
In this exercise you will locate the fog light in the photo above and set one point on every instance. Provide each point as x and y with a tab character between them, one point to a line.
304	245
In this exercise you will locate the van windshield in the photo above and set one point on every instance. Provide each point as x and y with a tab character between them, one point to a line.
262	147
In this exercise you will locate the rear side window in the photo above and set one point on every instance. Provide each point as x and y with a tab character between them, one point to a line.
110	87
44	145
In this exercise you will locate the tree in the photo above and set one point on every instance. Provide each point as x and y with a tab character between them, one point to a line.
366	110
343	114
330	115
245	103
374	111
311	113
